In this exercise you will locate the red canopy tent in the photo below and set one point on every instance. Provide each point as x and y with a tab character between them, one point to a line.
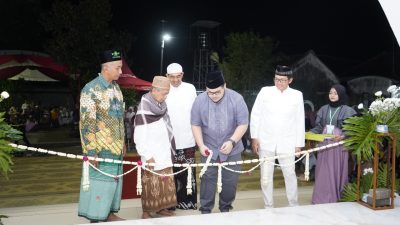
129	81
31	66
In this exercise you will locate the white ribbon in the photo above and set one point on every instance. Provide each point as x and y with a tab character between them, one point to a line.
189	181
307	169
204	169
219	182
85	179
139	180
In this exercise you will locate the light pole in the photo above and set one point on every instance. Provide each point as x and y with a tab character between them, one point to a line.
165	37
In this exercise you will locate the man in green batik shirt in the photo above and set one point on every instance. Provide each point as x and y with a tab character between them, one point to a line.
102	135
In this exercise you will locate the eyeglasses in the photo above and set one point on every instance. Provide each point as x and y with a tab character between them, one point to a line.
215	93
277	80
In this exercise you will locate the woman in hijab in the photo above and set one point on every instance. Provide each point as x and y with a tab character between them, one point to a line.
331	173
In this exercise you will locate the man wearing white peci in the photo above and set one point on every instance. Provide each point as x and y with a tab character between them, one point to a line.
179	103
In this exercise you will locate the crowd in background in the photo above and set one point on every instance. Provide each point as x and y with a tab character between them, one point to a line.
31	116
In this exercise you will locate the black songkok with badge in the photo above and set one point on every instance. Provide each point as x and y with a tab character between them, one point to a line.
214	79
110	56
283	71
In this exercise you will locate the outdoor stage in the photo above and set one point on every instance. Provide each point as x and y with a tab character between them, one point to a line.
346	213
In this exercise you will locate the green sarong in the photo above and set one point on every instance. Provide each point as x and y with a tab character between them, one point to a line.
104	194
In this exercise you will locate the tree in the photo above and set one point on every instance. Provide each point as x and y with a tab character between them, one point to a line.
248	64
79	33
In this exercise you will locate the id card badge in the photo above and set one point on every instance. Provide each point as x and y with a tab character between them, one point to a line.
330	128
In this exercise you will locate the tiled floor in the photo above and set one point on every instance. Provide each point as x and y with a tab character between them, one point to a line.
66	214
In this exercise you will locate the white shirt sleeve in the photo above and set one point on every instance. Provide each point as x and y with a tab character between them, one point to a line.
300	127
142	145
255	116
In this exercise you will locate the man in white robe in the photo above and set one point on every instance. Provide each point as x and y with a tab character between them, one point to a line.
277	128
179	103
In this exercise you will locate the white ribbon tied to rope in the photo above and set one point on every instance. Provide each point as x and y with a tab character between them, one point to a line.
189	181
139	178
307	169
219	180
85	179
204	169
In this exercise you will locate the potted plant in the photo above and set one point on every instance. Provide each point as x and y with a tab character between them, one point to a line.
380	122
349	193
7	134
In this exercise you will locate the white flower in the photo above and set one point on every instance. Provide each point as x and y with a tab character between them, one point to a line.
384	106
360	106
378	93
4	95
392	88
368	170
376	107
394	91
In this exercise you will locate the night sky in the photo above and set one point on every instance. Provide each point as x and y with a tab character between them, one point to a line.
343	33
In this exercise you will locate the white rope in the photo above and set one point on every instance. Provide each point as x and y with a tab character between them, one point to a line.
186	166
111	175
164	175
266	160
243	171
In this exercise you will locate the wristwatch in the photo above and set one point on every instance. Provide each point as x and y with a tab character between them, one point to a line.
232	141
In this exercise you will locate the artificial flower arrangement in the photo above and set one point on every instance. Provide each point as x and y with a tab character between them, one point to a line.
361	131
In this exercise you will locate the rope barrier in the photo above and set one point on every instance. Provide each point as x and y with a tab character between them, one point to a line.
139	165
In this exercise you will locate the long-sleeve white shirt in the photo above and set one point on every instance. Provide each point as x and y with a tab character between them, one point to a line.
152	141
277	119
179	102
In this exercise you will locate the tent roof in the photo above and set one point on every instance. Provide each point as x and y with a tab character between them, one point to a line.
32	75
128	79
32	66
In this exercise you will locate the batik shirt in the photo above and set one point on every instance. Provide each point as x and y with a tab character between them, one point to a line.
102	119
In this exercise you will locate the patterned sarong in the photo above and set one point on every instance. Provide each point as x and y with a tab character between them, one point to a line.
158	191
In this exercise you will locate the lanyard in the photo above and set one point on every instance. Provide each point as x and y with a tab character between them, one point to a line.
331	116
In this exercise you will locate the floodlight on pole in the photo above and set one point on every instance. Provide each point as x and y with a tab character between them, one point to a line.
165	37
